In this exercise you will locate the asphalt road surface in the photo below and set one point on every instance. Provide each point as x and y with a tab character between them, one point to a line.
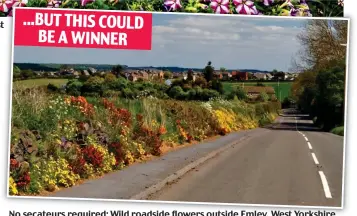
289	163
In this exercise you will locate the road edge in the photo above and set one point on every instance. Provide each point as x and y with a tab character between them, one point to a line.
178	174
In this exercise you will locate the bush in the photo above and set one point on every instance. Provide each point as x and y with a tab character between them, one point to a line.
93	85
287	102
74	87
51	87
109	77
176	92
238	92
338	131
207	94
263	97
218	86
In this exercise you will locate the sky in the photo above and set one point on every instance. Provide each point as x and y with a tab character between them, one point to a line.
190	41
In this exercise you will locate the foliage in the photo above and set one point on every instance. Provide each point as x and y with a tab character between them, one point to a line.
320	89
277	7
88	136
208	72
338	131
263	97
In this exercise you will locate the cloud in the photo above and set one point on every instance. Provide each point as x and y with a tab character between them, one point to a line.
233	42
219	38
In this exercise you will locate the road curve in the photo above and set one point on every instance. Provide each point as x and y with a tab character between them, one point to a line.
290	163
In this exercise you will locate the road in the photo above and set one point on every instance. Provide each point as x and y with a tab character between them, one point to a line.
289	163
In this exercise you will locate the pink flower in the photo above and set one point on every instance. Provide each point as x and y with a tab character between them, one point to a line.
340	2
20	3
245	7
17	3
54	3
6	5
85	2
172	5
268	2
220	6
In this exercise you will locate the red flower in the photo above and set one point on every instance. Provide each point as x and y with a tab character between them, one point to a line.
14	164
23	180
93	156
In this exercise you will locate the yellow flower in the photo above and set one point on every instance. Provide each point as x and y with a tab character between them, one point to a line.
12	187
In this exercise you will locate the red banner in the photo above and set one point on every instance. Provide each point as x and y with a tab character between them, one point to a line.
82	29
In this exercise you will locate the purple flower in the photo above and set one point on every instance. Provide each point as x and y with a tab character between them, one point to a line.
220	6
172	5
268	2
54	3
85	2
245	7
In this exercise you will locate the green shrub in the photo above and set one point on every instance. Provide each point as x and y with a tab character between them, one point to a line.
176	92
51	87
74	87
338	131
237	92
263	97
93	85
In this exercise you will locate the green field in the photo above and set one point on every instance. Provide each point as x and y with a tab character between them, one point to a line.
284	87
38	82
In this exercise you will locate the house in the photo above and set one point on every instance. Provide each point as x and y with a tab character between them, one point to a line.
176	75
254	91
144	75
76	73
260	76
226	76
217	75
133	77
86	73
269	76
92	70
238	75
184	76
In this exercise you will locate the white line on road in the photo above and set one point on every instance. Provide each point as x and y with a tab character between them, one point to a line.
315	158
306	138
309	144
325	185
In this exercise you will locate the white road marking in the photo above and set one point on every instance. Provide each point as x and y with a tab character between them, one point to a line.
325	185
309	144
322	175
315	158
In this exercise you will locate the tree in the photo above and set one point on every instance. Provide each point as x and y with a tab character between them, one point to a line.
64	67
27	74
218	86
208	72
222	69
190	75
167	75
16	72
109	77
118	70
330	97
321	43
